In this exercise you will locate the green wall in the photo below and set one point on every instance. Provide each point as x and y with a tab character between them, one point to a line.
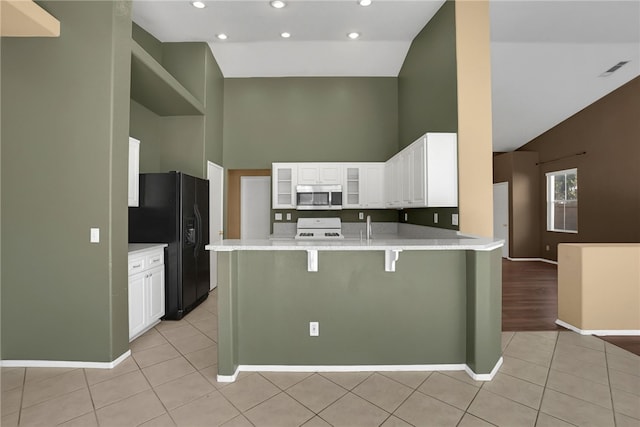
445	306
427	88
309	119
183	143
65	124
427	96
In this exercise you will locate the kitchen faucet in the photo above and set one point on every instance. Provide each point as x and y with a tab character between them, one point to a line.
369	233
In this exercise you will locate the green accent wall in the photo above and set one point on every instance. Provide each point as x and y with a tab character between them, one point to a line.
65	124
183	143
152	45
438	307
346	215
427	96
484	309
427	88
296	119
424	216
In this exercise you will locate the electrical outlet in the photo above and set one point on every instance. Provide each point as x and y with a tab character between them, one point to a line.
454	219
360	215
435	217
314	329
278	216
288	216
406	217
547	248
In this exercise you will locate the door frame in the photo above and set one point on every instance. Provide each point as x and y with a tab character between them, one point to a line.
215	175
502	187
234	200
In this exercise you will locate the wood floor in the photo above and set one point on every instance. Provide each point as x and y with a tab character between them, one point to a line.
530	301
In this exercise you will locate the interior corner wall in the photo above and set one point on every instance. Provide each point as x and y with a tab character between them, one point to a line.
608	175
519	169
427	88
64	298
214	110
298	119
182	143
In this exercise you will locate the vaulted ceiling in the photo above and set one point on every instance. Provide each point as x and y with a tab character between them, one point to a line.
547	56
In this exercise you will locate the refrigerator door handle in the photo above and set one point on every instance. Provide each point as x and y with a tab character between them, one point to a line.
198	230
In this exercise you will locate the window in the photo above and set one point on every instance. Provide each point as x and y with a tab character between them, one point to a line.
562	201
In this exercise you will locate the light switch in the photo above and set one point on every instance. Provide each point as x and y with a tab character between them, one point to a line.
435	217
360	215
278	216
454	219
95	235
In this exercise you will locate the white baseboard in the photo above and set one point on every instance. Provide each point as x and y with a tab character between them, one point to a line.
548	261
484	377
63	364
361	368
600	332
228	378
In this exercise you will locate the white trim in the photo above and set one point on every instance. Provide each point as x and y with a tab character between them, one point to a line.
228	378
548	261
361	368
63	364
484	377
600	332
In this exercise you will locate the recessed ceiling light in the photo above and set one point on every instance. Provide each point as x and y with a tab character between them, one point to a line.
278	4
364	2
222	36
353	35
285	35
198	4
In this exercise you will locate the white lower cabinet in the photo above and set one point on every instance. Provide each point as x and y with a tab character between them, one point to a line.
146	290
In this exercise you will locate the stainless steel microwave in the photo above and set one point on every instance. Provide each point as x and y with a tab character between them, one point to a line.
318	197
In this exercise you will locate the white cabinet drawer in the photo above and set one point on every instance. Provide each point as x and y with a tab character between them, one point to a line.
143	261
136	265
155	259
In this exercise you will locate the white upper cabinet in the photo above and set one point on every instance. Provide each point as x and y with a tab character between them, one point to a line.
424	174
442	169
319	173
134	171
373	185
393	182
283	179
363	186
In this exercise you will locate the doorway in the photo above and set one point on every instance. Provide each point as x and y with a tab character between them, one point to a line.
234	201
255	207
215	175
501	215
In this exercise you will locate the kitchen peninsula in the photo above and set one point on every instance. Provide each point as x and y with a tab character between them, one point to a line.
383	304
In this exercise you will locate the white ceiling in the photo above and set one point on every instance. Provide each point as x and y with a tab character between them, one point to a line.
547	56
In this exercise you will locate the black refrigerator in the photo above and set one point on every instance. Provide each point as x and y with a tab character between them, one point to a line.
174	209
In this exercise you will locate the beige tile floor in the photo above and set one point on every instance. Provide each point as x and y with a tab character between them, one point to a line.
548	379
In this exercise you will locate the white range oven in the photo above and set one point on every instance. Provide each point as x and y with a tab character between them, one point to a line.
319	229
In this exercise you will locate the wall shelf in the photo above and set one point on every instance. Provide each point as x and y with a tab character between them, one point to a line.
155	88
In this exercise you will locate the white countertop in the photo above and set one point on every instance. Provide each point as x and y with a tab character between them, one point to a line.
140	247
381	244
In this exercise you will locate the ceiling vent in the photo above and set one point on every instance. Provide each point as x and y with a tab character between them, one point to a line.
613	69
